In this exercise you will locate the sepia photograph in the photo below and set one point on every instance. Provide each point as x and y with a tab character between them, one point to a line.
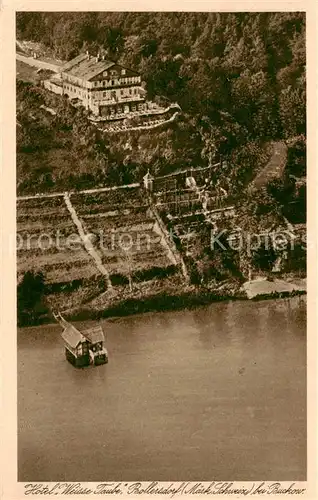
161	246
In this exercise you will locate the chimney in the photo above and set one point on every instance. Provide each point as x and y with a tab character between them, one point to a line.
87	55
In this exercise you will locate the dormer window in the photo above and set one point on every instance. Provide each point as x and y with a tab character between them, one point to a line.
105	73
123	71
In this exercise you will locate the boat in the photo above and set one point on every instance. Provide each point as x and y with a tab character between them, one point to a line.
83	348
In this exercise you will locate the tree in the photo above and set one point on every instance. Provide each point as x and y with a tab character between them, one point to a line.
126	261
30	296
292	106
112	39
263	258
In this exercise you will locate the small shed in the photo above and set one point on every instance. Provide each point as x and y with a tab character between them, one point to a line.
148	181
76	346
83	347
72	337
191	183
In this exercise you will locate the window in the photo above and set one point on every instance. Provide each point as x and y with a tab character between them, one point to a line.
130	91
95	83
105	73
121	92
104	83
104	94
123	71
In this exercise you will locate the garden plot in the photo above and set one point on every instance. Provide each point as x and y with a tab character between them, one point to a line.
178	202
177	181
108	201
48	203
34	226
58	267
118	222
45	220
188	231
47	242
123	230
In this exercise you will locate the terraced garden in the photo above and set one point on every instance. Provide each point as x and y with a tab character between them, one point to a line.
47	242
98	248
122	229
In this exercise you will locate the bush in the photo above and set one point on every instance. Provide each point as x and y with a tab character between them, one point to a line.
30	298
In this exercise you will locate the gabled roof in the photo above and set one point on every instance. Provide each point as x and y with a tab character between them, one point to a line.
148	176
67	66
86	68
94	334
98	68
72	336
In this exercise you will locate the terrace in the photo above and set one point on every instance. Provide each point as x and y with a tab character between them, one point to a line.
126	234
45	235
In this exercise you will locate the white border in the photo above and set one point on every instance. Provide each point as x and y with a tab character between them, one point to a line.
10	489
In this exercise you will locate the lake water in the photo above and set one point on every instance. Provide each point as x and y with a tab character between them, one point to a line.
215	393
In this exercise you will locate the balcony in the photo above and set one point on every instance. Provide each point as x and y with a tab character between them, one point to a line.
118	100
113	84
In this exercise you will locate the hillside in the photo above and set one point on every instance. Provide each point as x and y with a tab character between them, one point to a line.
240	80
251	66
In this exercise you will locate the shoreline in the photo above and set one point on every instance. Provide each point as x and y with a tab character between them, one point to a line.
163	302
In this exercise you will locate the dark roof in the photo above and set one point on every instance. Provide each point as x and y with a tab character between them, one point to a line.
94	334
72	336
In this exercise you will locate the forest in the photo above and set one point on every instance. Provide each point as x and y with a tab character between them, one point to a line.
240	79
250	66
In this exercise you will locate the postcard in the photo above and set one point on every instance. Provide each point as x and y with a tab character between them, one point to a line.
158	223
